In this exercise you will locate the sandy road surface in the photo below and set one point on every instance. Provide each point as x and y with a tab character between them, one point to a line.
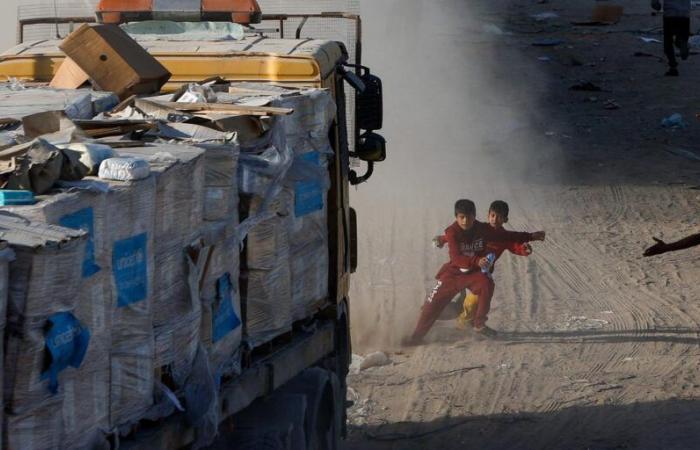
598	348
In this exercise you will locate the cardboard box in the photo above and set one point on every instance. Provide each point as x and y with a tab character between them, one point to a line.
69	76
114	61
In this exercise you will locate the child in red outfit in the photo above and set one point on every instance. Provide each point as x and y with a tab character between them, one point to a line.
467	240
467	307
498	215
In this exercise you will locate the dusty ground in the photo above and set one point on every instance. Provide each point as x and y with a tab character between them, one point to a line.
598	347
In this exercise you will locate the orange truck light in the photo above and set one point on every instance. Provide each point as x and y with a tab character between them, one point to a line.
119	11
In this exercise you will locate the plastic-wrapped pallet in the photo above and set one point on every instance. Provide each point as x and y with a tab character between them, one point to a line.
132	218
221	182
86	408
179	174
309	272
307	128
266	282
43	283
220	295
307	136
308	181
6	256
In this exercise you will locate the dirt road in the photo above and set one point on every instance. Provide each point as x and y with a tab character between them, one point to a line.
598	348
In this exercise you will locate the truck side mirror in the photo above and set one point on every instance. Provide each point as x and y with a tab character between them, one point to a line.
371	147
370	103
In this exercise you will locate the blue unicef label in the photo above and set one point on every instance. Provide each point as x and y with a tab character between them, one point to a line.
224	317
130	269
308	194
67	342
84	220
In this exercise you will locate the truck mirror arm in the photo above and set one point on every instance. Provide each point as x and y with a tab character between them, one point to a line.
355	180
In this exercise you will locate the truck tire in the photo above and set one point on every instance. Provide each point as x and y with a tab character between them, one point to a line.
322	420
260	441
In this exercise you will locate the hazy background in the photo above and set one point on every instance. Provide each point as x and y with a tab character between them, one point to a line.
8	23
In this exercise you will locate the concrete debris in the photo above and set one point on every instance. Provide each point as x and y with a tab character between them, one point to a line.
375	359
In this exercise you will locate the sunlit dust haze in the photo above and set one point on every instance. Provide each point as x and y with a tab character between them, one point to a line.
458	126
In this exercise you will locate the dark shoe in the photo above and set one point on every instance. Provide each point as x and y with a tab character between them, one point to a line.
486	331
672	72
411	341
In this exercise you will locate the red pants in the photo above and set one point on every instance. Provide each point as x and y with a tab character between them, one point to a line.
447	287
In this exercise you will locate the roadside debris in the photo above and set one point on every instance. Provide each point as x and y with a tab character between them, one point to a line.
611	104
694	41
547	42
585	86
375	359
492	29
544	16
649	40
574	323
603	15
674	121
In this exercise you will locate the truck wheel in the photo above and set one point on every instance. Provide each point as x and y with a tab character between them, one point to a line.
322	419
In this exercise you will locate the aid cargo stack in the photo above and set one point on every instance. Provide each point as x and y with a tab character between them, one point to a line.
307	134
40	317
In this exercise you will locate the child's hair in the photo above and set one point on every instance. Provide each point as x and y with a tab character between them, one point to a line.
500	207
465	207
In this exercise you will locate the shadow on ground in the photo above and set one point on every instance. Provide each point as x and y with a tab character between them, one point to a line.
669	424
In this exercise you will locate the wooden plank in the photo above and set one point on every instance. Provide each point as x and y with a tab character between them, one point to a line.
225	107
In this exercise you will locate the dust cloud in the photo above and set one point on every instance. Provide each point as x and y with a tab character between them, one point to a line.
458	126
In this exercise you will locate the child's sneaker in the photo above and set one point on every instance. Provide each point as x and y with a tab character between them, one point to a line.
486	331
672	72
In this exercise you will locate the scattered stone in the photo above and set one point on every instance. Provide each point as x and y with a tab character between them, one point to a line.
375	359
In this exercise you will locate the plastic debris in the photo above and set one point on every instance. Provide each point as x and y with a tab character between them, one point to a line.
649	40
674	121
124	169
544	16
547	42
89	155
694	41
492	29
16	197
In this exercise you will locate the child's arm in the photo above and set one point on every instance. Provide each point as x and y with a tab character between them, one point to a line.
439	241
662	247
513	236
520	249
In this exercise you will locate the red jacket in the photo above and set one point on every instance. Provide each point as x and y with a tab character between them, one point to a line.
467	247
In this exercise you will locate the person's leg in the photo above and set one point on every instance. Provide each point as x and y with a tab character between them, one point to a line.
682	35
483	288
440	296
669	50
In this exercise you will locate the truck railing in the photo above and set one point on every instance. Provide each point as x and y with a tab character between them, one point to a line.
280	18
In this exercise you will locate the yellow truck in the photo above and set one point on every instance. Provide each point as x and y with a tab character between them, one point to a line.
313	361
